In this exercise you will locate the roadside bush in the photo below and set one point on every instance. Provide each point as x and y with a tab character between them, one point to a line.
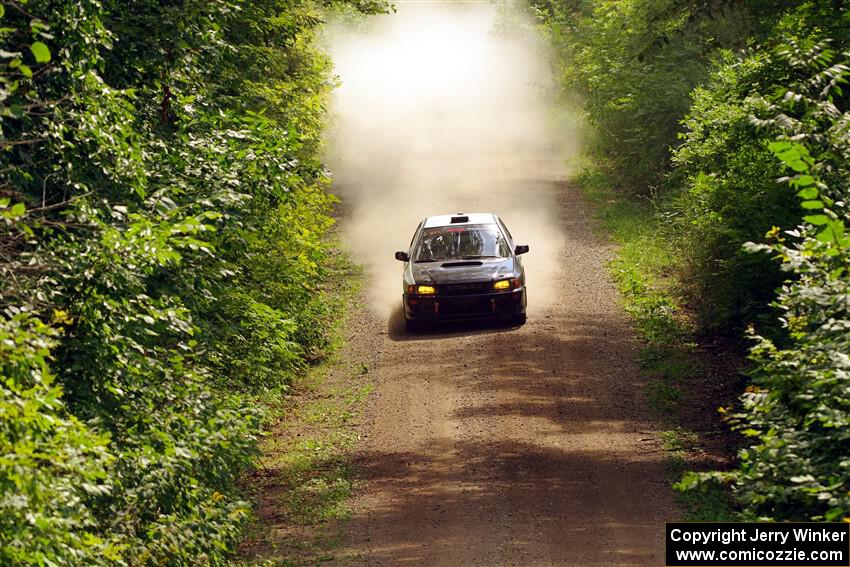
633	64
51	465
728	195
797	412
691	102
667	89
162	224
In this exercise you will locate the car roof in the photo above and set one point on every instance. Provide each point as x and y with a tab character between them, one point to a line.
471	218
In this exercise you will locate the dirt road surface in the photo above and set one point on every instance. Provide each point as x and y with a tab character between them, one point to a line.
530	446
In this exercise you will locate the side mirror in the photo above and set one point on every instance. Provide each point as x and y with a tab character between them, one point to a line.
521	249
405	257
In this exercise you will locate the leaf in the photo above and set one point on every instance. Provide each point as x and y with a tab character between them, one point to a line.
808	193
826	235
816	220
803	181
802	478
752	247
834	231
40	51
778	146
812	204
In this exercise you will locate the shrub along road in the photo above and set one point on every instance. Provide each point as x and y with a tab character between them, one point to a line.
513	446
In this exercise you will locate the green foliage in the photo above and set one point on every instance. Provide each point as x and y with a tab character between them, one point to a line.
697	100
729	195
162	222
667	89
795	415
50	463
634	63
798	412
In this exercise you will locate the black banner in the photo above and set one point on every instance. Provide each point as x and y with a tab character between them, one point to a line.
758	545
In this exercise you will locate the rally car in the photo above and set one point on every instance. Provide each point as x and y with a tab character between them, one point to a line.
461	267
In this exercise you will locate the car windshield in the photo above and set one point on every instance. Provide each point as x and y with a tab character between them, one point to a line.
465	242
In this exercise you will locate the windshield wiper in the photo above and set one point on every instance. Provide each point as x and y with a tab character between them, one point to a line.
477	257
423	260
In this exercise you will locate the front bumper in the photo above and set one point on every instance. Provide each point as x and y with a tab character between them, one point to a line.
435	308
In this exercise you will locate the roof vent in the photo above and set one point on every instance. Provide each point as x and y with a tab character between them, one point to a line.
460	219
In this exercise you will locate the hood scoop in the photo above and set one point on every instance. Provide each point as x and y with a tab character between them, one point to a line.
461	264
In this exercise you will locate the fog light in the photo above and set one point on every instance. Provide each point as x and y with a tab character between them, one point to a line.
502	284
425	290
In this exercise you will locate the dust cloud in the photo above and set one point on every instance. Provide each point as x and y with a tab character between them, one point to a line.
442	108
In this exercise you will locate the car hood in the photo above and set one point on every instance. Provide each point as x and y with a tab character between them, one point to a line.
458	271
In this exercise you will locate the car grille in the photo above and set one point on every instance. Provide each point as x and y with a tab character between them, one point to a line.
471	288
461	306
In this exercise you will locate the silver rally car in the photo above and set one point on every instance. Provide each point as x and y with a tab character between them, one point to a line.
461	267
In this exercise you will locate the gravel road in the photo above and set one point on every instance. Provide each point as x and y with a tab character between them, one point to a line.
530	446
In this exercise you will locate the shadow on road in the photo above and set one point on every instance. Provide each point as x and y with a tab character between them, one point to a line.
532	447
523	494
397	332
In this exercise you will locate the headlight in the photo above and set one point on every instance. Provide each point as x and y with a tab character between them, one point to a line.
504	285
425	290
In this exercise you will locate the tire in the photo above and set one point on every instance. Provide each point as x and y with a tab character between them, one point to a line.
519	319
413	326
